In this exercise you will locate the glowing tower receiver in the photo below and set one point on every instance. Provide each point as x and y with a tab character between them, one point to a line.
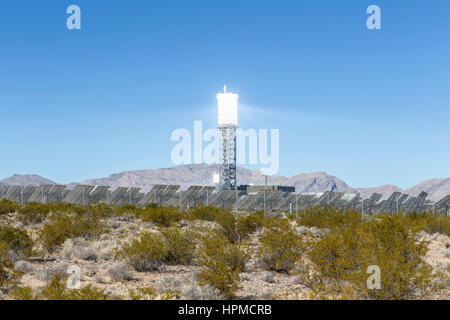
227	124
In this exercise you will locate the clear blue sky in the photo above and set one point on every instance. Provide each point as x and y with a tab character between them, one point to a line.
370	107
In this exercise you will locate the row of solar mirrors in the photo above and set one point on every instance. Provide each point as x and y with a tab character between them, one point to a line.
271	200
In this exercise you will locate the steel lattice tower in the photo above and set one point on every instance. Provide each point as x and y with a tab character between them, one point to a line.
228	158
227	124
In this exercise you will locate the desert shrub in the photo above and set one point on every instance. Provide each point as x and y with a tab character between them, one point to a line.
145	253
237	229
78	249
206	213
338	253
279	249
99	210
7	272
149	251
150	293
430	223
17	239
195	292
277	224
179	246
393	248
32	213
329	217
145	293
162	216
62	227
168	283
57	289
129	209
22	266
7	206
227	226
168	288
47	273
344	255
251	222
221	262
22	293
120	272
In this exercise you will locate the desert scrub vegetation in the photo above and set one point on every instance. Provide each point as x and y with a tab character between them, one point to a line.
328	250
179	246
279	249
57	289
22	293
145	253
7	206
150	293
17	240
7	271
144	293
120	271
161	216
206	213
404	275
328	217
150	250
62	226
32	213
220	264
340	259
430	223
239	228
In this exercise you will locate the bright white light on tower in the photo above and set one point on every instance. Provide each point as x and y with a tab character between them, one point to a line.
227	108
216	178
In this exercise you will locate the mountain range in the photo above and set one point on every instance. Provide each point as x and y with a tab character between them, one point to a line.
201	174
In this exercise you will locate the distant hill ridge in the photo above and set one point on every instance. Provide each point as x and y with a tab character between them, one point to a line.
201	174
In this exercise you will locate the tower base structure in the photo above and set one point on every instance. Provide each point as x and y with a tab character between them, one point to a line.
228	158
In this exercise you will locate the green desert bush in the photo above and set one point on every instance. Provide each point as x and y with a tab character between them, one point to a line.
179	246
430	223
329	217
150	250
22	293
7	272
162	216
277	224
32	213
392	247
57	289
344	254
145	253
145	293
62	226
279	249
7	206
338	253
17	239
237	229
206	213
150	293
220	264
228	227
251	222
129	209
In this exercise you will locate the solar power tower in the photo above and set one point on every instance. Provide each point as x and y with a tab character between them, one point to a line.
227	124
